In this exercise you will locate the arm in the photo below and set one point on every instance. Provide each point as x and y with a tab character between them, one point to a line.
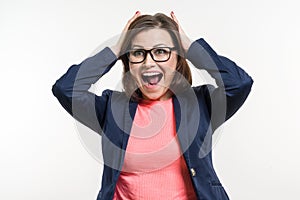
72	92
234	84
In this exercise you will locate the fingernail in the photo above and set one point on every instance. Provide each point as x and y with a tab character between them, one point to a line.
137	12
172	12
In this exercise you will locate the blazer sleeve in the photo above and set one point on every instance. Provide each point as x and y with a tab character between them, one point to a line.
71	89
234	84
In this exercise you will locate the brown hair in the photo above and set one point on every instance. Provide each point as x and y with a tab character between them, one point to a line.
181	80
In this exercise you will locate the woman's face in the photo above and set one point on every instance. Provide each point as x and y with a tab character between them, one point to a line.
153	78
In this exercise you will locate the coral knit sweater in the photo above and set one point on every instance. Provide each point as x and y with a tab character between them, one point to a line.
154	167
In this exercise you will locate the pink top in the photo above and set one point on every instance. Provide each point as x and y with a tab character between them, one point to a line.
154	167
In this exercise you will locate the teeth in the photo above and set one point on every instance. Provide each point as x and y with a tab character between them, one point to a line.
151	73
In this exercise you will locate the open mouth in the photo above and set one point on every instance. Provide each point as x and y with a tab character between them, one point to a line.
152	78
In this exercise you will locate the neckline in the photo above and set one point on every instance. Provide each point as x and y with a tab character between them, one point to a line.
155	102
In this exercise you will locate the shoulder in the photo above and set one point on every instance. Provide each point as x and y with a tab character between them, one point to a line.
203	90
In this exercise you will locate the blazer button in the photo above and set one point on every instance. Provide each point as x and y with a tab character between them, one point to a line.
193	172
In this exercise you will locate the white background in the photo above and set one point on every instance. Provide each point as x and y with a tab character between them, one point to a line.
41	154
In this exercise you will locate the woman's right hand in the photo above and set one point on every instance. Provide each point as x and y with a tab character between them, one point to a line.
117	47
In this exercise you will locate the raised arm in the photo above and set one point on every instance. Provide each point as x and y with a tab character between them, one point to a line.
234	84
72	88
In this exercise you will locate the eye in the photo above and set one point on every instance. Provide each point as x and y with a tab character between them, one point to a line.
161	51
138	53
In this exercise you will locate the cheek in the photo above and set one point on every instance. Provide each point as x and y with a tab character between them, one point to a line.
173	61
133	70
174	65
171	65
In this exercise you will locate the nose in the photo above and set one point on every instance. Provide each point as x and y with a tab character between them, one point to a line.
148	59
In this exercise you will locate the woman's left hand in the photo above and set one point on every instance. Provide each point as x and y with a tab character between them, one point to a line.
186	42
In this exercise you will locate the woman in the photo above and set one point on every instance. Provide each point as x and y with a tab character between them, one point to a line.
156	135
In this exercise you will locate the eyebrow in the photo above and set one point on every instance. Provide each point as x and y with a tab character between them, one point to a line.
157	45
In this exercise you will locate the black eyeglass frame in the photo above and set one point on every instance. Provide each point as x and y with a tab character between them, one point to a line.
149	51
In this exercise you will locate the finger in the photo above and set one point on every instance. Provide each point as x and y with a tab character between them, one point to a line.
119	44
176	20
136	15
174	17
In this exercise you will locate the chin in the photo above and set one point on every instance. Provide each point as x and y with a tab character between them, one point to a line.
157	95
152	97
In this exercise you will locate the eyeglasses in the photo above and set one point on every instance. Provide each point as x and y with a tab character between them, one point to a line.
158	54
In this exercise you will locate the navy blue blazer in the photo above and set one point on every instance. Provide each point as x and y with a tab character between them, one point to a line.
199	111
